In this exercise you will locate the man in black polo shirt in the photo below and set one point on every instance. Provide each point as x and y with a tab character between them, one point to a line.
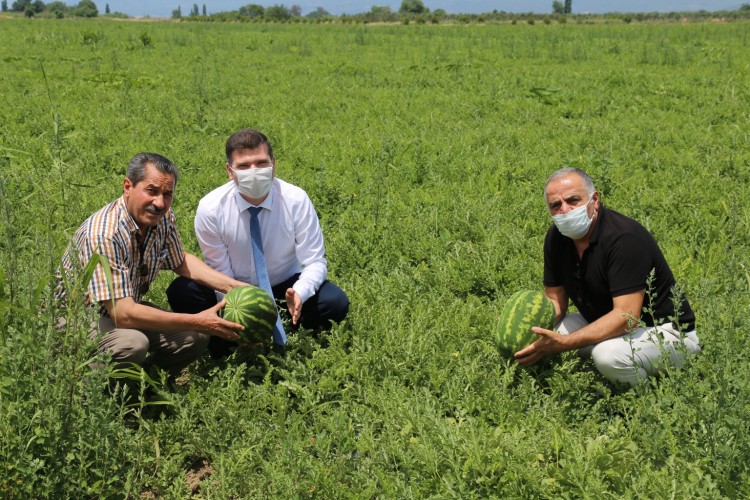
601	260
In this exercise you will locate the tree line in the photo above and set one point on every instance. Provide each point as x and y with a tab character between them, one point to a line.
416	11
58	9
409	11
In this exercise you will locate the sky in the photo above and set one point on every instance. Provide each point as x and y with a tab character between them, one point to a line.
164	8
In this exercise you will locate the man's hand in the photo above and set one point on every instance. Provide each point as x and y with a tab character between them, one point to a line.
294	304
210	323
550	342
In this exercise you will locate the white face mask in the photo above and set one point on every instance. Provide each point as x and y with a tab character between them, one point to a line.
254	182
574	224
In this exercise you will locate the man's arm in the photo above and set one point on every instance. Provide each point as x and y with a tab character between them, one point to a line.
613	324
208	234
126	313
310	252
194	268
559	298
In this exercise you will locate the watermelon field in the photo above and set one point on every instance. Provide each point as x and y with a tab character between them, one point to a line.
425	150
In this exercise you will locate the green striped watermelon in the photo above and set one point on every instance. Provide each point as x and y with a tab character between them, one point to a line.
253	308
523	310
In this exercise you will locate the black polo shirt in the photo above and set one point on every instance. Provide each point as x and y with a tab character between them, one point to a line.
620	256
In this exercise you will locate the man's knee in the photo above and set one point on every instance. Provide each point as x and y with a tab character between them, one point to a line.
197	342
617	363
339	308
333	302
186	296
126	346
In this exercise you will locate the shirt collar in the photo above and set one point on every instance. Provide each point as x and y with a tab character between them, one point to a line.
598	225
127	218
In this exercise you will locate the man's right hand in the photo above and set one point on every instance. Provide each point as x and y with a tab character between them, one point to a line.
210	323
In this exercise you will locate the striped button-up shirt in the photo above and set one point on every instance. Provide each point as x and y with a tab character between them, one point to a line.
113	233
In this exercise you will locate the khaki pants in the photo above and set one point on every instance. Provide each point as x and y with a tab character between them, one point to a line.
170	351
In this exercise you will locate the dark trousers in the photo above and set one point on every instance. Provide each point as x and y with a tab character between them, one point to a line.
330	303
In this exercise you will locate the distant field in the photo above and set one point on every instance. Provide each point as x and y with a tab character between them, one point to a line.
425	150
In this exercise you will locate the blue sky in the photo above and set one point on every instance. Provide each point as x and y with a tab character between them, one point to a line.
163	8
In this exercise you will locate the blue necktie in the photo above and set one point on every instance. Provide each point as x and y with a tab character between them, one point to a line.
262	271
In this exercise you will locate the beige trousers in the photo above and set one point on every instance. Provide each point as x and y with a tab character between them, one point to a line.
632	357
171	351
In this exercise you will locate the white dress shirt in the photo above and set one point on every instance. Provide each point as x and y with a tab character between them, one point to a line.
289	227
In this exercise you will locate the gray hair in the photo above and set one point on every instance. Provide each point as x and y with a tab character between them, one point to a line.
588	183
137	166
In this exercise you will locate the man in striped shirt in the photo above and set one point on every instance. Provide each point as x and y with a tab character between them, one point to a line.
138	236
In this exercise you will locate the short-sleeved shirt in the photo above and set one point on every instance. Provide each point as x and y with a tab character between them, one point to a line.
619	259
113	233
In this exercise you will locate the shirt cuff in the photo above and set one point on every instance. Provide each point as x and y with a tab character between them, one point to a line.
304	291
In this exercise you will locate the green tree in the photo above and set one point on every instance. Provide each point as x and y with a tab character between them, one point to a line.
86	8
29	11
568	6
5	6
58	8
20	5
745	6
106	9
195	12
277	13
295	10
318	13
252	10
413	7
177	13
204	10
558	7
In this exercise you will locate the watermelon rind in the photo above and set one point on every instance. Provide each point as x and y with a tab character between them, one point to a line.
253	308
523	310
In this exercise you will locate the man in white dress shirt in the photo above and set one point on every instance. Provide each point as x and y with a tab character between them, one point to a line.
290	232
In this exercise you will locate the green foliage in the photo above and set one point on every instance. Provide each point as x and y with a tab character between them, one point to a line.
57	6
85	8
318	13
413	7
424	149
277	13
252	10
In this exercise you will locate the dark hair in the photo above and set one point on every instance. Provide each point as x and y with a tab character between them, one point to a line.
137	166
247	138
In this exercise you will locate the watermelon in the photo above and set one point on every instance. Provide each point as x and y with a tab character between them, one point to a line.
523	310
253	308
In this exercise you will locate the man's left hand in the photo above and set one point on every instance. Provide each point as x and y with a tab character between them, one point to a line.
294	304
549	342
